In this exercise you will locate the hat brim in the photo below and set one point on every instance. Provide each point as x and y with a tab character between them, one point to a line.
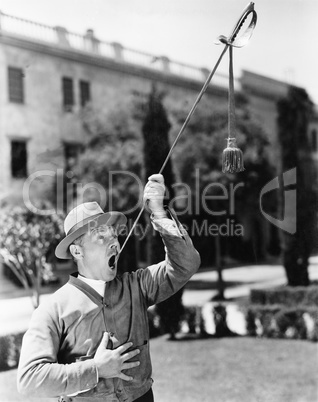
114	218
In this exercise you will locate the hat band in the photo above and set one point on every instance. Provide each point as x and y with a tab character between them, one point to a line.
82	223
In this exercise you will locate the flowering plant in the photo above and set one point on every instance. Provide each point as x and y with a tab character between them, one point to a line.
26	239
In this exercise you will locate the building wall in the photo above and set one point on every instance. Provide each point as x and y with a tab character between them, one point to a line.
263	94
44	123
41	119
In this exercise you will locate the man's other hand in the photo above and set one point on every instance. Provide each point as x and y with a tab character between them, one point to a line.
110	363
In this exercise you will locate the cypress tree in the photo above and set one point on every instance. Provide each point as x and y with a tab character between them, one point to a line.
294	113
155	131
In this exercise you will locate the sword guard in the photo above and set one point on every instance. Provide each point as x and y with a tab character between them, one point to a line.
243	39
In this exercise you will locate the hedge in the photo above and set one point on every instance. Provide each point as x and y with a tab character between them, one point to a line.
276	321
287	296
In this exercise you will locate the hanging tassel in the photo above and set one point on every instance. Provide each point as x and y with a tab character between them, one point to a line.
232	158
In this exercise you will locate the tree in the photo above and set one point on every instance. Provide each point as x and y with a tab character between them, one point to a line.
155	131
26	241
294	112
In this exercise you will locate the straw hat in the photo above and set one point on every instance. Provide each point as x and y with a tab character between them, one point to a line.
81	220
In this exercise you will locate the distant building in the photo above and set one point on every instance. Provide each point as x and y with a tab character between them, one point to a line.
49	74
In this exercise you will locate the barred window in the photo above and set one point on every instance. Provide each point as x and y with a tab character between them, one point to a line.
18	159
68	94
15	81
85	92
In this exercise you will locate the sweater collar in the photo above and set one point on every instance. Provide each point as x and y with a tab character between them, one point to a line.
97	284
85	288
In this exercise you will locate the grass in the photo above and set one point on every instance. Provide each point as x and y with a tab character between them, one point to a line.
221	370
235	370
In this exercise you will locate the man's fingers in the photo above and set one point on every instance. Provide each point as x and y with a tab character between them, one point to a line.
121	349
154	183
131	354
153	194
105	339
156	177
154	186
130	365
154	190
125	377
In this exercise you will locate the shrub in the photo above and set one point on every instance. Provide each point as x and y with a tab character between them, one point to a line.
290	324
10	346
260	320
287	296
26	241
276	321
311	296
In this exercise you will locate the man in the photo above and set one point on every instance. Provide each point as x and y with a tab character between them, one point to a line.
90	340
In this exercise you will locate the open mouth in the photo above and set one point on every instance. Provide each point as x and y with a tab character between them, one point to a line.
111	261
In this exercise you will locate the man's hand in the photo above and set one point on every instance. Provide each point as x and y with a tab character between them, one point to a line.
110	363
153	195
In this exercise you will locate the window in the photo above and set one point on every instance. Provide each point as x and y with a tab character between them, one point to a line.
71	153
314	140
68	95
18	159
16	93
85	92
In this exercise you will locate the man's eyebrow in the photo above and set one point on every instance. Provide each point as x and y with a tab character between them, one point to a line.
103	228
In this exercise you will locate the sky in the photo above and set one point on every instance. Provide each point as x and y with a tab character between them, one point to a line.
284	44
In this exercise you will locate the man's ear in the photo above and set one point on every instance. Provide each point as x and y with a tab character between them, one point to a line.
76	251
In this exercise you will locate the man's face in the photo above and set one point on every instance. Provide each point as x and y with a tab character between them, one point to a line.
100	252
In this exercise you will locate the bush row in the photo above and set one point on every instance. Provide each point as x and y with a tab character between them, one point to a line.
276	321
228	319
287	296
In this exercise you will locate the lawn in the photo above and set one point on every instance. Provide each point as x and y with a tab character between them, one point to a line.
235	370
222	370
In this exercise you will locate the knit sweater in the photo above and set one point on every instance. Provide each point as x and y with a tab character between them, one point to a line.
65	331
